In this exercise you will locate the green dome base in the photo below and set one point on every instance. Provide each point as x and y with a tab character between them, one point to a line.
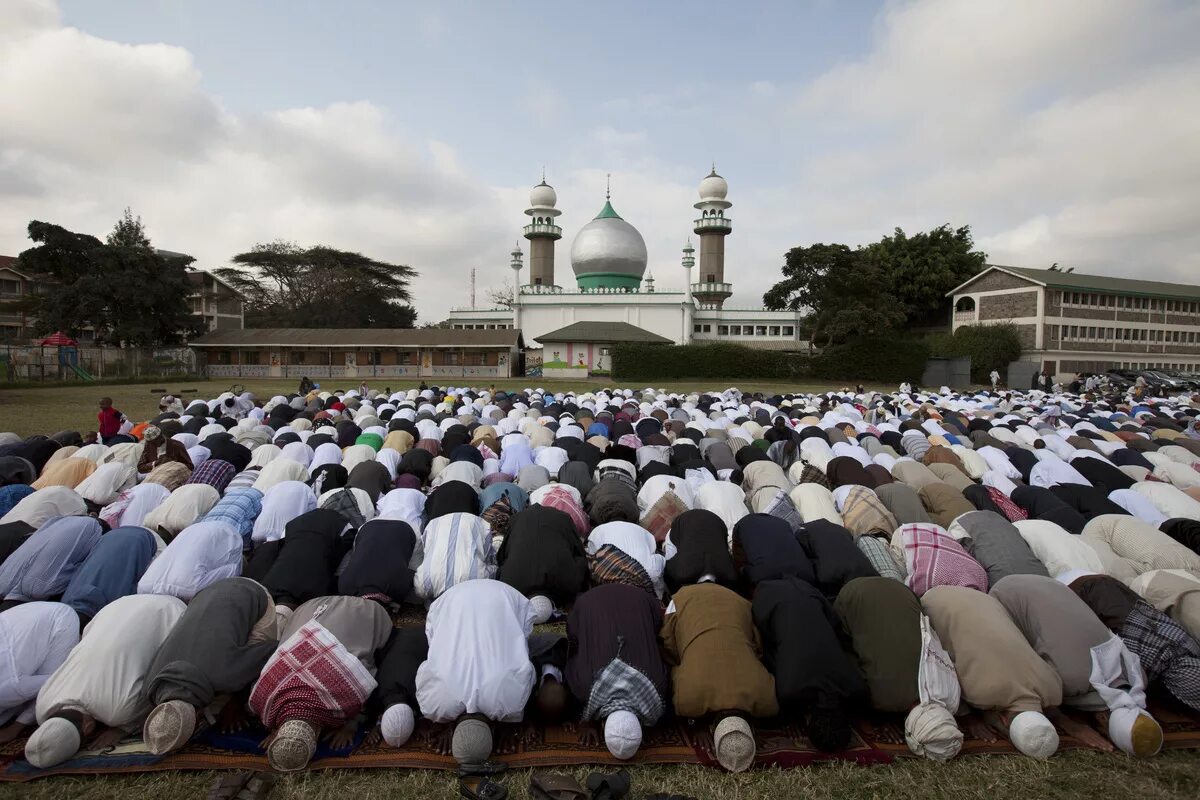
608	280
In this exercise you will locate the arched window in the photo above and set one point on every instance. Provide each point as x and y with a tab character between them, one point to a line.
965	304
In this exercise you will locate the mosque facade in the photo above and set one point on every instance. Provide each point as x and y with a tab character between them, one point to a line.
610	295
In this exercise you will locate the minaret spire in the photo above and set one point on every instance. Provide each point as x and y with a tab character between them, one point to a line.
608	186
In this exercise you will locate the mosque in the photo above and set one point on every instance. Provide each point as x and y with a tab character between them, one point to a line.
614	298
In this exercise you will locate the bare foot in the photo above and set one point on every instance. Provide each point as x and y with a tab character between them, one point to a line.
529	733
343	737
374	736
979	729
440	737
232	718
589	735
1080	731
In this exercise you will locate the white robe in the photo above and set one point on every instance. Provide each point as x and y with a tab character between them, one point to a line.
282	503
478	659
35	639
199	556
103	675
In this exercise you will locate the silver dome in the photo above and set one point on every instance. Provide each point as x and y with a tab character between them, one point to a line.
608	244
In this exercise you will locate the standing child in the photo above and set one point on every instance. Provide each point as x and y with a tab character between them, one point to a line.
110	420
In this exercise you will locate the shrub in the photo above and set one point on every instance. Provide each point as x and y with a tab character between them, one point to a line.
988	346
651	362
885	360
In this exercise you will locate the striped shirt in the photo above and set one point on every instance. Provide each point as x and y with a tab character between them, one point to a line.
458	547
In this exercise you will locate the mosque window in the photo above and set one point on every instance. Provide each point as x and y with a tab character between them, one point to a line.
722	330
760	330
695	329
789	330
774	330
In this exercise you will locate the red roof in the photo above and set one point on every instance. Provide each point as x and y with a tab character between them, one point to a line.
59	339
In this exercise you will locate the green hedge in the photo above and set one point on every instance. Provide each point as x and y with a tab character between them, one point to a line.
988	346
649	363
884	360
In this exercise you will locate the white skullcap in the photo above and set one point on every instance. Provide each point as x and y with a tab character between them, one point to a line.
622	734
543	609
930	731
1135	732
397	724
55	741
1033	734
734	744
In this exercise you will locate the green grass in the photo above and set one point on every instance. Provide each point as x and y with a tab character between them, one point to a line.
28	410
1070	775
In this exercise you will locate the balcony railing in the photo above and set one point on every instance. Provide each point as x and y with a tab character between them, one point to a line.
714	224
961	317
712	288
543	229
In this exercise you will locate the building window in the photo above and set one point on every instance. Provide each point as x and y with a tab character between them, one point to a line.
774	330
708	328
789	330
696	328
603	351
251	357
760	330
405	359
10	287
452	359
722	330
297	356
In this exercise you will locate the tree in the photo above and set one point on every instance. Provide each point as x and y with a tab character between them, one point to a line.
287	286
847	297
129	232
502	296
124	290
897	281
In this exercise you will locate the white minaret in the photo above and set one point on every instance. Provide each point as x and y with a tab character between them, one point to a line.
542	233
516	268
712	227
689	306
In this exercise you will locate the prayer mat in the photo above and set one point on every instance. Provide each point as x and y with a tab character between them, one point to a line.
878	739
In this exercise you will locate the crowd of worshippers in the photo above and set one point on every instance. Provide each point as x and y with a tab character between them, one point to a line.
722	557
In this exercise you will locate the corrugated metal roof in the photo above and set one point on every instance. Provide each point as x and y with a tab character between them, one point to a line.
1058	279
358	337
603	332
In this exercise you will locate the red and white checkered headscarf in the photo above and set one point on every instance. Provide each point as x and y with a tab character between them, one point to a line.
934	558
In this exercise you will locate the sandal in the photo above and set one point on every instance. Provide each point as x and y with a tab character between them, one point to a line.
227	786
486	789
555	786
612	786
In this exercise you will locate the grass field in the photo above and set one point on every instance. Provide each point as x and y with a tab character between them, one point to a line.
1071	775
73	407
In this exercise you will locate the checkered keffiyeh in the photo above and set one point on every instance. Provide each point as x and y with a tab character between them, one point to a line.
345	503
933	558
811	474
486	451
881	557
311	677
215	472
1167	652
1008	508
621	687
564	501
611	564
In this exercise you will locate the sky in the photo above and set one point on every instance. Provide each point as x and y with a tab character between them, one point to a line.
1064	131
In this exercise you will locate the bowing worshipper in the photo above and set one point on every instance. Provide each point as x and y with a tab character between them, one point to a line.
202	554
217	647
35	638
905	668
944	503
765	548
214	472
614	666
1098	672
1175	592
158	450
300	566
543	558
132	505
111	570
836	559
101	682
238	509
479	670
999	672
394	701
815	679
1041	503
186	505
1128	547
377	567
932	558
319	678
281	504
709	624
613	498
67	473
1058	550
903	503
452	497
633	541
1087	500
458	547
697	550
863	513
105	484
42	567
997	545
1166	652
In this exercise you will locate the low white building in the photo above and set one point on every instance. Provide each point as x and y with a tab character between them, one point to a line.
612	285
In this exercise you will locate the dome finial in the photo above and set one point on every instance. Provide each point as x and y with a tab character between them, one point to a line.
608	186
714	167
543	173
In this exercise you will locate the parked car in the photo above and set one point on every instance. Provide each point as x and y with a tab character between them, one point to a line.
1182	379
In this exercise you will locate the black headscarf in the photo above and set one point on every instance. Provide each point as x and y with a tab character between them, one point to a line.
372	477
378	564
543	555
1040	503
702	544
1184	531
836	558
305	559
452	497
327	477
765	547
1087	500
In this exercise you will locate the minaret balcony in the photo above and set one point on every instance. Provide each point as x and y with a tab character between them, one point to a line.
714	225
712	289
542	230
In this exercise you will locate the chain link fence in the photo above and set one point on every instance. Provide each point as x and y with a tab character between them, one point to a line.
35	363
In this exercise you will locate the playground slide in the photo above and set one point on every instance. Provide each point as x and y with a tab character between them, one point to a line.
81	372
